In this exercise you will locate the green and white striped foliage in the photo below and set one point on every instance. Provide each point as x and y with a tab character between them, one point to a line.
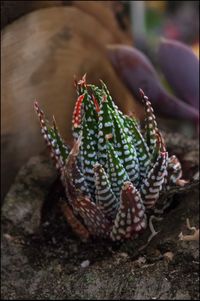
114	173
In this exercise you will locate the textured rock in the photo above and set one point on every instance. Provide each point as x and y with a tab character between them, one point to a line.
23	203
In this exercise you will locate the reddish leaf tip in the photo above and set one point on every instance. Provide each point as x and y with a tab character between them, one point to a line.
141	93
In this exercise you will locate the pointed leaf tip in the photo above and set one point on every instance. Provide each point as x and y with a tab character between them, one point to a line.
141	92
36	104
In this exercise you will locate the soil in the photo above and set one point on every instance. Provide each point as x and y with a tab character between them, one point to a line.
45	260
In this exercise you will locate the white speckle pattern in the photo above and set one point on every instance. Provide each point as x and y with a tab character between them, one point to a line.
134	165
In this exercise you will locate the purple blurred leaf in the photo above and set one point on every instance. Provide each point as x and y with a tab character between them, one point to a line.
136	71
181	69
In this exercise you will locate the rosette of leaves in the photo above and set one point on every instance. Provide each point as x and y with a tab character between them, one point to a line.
115	172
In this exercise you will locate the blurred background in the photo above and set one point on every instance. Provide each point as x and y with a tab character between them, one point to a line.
45	44
146	19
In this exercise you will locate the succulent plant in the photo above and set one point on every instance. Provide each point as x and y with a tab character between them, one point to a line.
115	171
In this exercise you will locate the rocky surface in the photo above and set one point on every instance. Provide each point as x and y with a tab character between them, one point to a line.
43	259
23	203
